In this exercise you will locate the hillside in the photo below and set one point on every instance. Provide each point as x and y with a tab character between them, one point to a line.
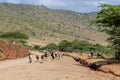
47	25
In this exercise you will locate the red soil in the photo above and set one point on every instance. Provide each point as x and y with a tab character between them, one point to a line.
12	51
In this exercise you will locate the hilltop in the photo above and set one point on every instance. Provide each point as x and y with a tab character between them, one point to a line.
45	25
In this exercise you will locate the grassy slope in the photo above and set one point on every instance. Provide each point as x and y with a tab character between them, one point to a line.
49	25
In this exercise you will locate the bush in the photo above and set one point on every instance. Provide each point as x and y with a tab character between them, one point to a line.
37	47
80	45
14	35
65	46
51	47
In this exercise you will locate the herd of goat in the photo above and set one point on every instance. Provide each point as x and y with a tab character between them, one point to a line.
44	55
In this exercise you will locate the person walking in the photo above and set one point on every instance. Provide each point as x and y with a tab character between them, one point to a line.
91	53
30	58
37	57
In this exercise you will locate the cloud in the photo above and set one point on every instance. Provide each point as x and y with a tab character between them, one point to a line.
11	1
94	3
50	2
74	5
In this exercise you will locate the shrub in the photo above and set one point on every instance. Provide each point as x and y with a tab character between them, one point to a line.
64	45
80	45
37	47
51	47
14	35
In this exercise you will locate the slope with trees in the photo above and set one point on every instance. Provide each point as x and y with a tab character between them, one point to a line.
109	17
48	24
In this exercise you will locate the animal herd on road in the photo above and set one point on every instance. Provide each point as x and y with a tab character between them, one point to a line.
42	56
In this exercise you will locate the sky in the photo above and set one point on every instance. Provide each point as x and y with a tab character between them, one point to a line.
83	6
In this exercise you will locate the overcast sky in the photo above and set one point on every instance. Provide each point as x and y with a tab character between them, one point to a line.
83	6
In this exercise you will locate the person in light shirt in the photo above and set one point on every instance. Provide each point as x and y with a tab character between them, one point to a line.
30	58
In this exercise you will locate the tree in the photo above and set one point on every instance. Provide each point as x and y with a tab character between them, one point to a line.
37	47
109	17
80	45
64	45
51	47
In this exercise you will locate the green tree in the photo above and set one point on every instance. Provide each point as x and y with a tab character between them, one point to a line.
109	17
65	45
37	47
80	45
51	47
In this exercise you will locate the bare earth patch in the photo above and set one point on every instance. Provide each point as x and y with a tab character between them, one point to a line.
112	68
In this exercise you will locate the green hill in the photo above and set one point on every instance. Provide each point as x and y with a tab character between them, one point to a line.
48	25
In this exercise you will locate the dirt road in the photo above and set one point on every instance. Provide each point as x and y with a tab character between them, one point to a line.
63	69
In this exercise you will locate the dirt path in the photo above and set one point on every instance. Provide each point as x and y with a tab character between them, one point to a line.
63	69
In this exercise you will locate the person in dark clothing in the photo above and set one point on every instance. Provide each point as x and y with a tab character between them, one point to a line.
52	55
42	57
91	53
46	55
37	57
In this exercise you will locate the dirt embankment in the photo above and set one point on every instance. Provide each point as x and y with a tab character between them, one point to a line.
12	51
99	64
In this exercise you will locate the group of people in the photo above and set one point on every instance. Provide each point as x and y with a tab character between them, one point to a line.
43	56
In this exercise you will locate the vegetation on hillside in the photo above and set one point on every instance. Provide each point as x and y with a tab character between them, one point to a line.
41	22
14	37
84	46
109	17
